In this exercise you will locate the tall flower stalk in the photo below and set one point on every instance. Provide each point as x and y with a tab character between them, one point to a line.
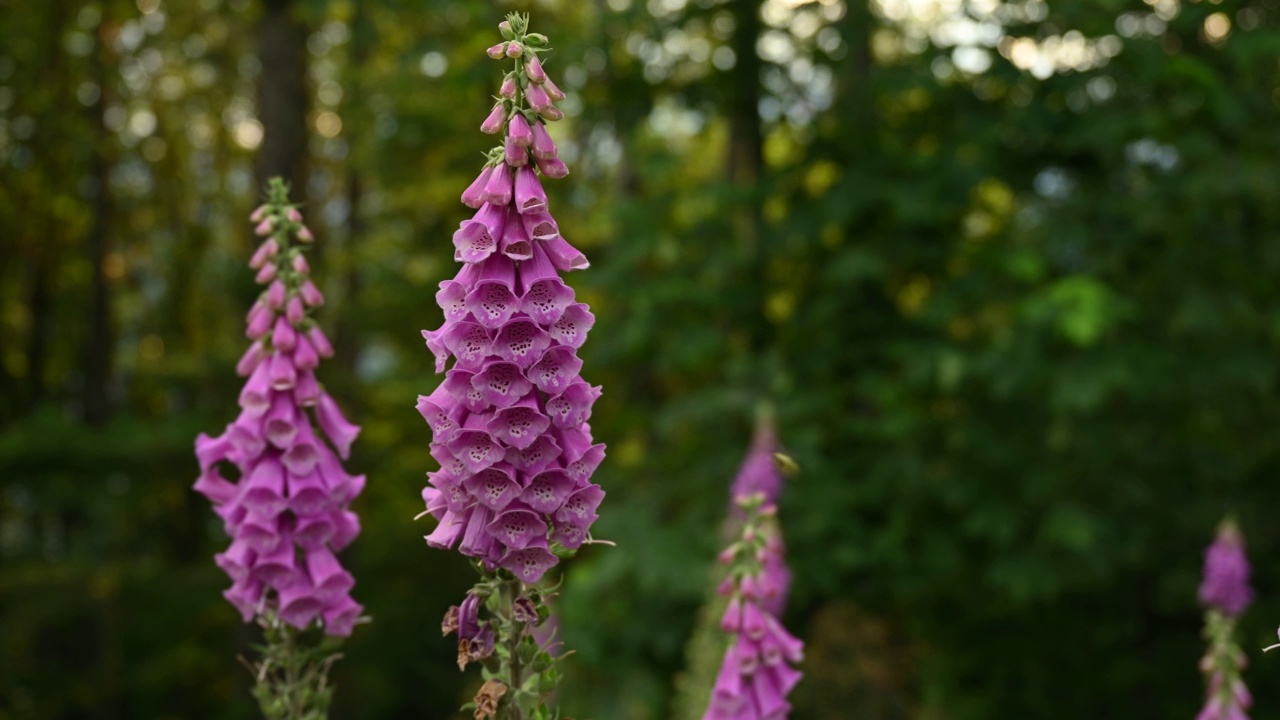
759	480
757	672
509	422
1225	593
288	513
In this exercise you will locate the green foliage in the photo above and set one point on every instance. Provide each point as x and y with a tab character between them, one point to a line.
1020	328
291	673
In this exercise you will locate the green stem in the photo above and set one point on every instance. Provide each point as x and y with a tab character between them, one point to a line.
515	628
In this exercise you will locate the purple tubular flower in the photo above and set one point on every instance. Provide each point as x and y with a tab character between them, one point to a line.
529	195
1226	573
477	238
473	196
537	97
554	92
519	132
1226	594
492	125
757	673
287	515
515	154
497	192
552	167
533	68
543	147
509	422
515	243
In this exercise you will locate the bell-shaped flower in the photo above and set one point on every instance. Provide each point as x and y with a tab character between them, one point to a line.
529	195
518	528
494	487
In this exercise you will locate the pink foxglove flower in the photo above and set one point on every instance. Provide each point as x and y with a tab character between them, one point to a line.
760	474
287	514
1225	593
510	422
758	670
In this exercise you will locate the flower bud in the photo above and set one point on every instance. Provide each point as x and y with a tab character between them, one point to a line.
553	91
264	228
497	51
497	117
304	234
533	68
265	252
508	89
514	50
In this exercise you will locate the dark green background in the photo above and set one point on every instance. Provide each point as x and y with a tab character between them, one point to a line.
1021	329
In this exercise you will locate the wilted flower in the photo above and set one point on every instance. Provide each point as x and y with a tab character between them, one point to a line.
287	514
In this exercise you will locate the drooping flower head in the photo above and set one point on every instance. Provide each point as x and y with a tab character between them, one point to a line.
288	514
509	422
758	671
1225	593
1226	573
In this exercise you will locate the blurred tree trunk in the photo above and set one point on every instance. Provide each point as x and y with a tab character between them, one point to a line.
356	115
746	159
282	96
98	343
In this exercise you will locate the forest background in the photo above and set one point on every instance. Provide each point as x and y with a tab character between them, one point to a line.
1006	269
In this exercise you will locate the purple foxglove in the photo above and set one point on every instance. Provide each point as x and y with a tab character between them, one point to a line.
554	92
276	296
497	52
497	192
552	167
287	514
515	154
519	132
265	252
492	124
533	69
473	196
509	422
537	98
756	674
1226	574
1225	593
543	147
529	195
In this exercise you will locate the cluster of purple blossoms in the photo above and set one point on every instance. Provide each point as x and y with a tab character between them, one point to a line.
509	422
1226	574
287	515
1225	593
757	673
